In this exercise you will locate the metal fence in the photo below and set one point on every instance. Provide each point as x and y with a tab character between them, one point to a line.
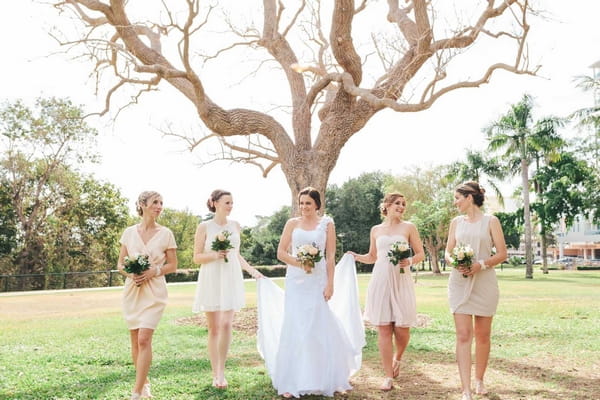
91	279
60	280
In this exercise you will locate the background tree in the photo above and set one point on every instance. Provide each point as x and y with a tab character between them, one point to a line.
477	166
355	208
331	96
39	143
8	227
568	189
183	224
259	244
546	146
512	227
518	137
430	206
64	220
83	233
589	118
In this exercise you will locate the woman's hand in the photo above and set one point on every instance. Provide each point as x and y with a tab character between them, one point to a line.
405	262
258	275
328	292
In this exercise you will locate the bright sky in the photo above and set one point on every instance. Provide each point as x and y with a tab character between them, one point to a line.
136	157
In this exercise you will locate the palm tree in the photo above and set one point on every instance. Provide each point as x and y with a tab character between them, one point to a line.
475	166
589	117
522	141
545	147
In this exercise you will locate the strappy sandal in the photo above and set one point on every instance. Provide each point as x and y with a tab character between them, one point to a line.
395	368
387	385
480	387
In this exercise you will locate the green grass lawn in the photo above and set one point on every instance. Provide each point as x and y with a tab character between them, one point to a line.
74	345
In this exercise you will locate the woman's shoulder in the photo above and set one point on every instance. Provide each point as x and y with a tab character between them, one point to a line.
491	218
292	222
410	225
327	219
165	229
130	229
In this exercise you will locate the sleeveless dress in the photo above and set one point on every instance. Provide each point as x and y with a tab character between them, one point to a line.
478	294
220	284
143	305
308	348
390	294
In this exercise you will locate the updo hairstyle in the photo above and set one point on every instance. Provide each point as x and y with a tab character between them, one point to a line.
143	200
472	188
388	200
215	196
313	194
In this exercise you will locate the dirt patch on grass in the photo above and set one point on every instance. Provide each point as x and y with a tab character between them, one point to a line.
243	321
430	375
246	320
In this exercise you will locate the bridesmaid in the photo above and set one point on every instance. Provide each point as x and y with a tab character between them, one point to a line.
220	288
145	295
474	299
390	302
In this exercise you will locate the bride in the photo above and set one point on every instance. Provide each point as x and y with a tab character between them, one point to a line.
311	340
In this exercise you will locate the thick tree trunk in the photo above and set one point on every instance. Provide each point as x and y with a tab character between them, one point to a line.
433	250
527	216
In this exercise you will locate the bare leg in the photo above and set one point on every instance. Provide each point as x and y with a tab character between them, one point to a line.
464	339
142	357
212	320
386	348
401	337
225	330
482	331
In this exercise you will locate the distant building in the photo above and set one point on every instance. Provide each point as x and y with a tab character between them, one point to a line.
580	240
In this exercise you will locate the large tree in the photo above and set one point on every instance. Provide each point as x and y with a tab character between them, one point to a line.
336	65
39	142
63	220
589	118
521	141
568	188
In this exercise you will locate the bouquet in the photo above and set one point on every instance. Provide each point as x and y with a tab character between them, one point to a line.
222	242
398	252
308	255
462	256
136	265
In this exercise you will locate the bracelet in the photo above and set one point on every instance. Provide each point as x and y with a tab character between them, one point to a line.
158	270
483	266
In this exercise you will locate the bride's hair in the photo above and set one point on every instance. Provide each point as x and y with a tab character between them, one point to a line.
389	198
313	194
143	200
215	196
474	189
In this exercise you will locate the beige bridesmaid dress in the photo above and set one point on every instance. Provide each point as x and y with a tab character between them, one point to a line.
477	294
143	305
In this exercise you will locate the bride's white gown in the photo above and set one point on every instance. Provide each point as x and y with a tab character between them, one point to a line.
311	346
